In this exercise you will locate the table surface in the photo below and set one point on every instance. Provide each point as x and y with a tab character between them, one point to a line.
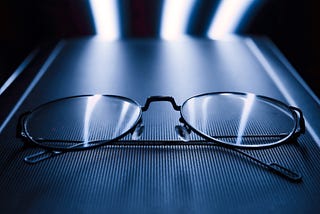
166	178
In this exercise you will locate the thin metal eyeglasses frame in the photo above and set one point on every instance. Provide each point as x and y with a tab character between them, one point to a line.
297	114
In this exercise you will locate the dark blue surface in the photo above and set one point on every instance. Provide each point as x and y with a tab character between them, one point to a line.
159	179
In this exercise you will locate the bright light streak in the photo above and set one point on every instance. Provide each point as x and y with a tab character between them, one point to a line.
228	17
106	18
192	113
123	114
204	111
91	104
175	18
248	103
128	116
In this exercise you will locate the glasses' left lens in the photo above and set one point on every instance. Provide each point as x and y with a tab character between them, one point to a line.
81	122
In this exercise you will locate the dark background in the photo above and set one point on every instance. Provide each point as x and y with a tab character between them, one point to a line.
291	24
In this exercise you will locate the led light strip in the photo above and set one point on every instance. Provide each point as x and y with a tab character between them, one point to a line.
106	18
292	71
36	79
18	71
228	17
273	75
175	18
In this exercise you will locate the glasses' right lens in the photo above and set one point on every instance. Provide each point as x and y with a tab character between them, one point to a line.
242	120
81	122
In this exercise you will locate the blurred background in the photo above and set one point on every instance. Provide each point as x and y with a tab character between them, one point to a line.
291	24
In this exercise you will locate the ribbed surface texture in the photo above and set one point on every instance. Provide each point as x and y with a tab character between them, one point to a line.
158	178
162	178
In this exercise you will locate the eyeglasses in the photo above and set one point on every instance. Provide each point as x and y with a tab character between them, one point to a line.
228	119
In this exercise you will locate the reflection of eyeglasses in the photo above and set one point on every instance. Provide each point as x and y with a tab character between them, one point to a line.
229	119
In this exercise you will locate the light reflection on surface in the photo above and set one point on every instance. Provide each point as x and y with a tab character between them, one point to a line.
175	18
247	107
192	111
228	16
123	113
91	103
204	111
106	18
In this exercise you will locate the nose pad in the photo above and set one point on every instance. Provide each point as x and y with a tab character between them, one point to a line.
137	133
183	133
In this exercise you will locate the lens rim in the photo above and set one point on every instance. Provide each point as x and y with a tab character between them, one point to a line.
94	144
242	94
